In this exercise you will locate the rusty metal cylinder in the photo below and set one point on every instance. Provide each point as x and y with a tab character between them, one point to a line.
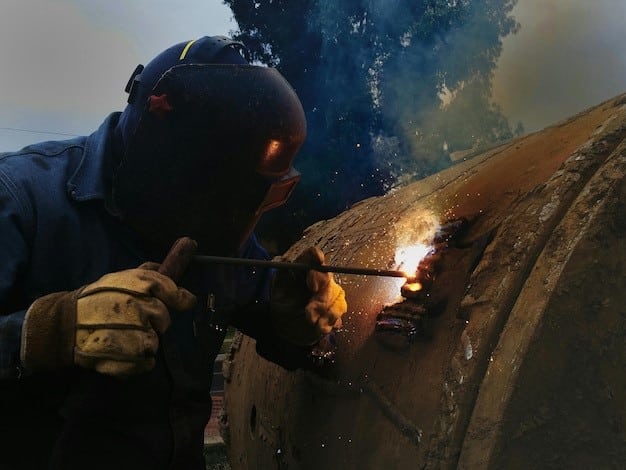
524	366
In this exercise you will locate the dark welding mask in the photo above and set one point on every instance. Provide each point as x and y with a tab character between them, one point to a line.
211	152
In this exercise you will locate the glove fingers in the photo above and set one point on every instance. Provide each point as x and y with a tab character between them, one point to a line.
167	291
324	317
119	307
155	313
118	368
323	326
338	303
173	296
317	281
124	343
313	311
116	352
311	255
326	308
150	266
144	281
122	369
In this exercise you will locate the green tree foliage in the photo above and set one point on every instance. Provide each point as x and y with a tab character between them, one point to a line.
389	87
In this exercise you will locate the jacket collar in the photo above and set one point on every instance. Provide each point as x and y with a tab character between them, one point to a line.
92	178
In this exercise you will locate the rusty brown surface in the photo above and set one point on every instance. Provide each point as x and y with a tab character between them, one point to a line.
519	348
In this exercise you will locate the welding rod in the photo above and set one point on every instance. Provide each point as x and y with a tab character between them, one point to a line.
298	266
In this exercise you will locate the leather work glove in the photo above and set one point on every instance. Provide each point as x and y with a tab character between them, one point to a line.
110	326
306	306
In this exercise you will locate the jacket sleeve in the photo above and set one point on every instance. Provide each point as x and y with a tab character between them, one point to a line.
14	218
254	319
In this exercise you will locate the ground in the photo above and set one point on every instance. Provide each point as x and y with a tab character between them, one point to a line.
216	458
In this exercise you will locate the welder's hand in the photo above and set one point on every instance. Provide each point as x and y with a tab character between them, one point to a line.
110	326
306	306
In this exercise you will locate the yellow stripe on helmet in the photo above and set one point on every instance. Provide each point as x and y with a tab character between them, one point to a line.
186	49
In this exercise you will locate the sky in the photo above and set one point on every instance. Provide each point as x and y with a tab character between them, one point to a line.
64	63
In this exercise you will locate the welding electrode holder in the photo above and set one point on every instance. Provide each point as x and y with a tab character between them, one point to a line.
178	258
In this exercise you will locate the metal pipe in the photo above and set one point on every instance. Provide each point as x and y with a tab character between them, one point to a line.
297	266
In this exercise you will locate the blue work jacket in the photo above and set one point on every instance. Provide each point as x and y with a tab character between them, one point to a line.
56	234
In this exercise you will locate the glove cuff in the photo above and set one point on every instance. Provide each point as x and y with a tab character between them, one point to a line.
48	332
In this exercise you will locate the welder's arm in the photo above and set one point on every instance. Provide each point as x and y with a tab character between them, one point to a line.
14	224
13	256
10	332
303	308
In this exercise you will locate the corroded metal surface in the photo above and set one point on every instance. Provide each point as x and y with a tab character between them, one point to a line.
525	365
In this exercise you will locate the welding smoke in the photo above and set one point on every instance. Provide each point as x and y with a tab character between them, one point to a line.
399	59
371	75
416	226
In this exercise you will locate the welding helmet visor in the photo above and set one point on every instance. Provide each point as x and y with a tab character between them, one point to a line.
212	151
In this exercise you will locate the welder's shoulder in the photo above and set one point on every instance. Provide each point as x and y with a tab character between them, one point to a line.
38	171
43	155
40	164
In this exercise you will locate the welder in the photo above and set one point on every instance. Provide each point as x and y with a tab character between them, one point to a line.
106	362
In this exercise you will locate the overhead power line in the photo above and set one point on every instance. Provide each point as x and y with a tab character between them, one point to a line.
32	131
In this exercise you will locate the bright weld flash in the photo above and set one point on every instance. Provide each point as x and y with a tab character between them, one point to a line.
408	258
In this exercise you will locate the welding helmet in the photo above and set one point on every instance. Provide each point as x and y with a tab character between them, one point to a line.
209	142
